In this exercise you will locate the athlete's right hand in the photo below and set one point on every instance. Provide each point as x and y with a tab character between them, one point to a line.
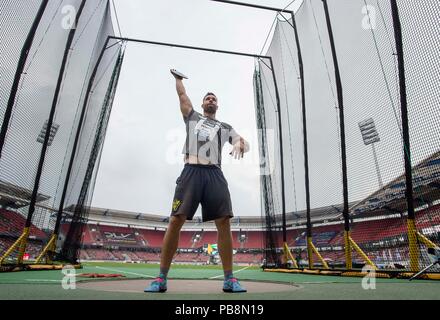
177	74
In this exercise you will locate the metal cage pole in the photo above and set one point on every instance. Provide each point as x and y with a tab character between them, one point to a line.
310	247
412	232
283	191
349	243
348	256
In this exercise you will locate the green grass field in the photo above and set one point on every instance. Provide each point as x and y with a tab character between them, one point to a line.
47	285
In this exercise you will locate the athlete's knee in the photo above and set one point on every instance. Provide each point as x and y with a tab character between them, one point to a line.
177	221
222	223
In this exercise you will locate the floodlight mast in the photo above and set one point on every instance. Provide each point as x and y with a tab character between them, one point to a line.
370	137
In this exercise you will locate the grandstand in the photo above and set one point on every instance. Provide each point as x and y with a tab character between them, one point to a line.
11	223
14	196
113	235
127	236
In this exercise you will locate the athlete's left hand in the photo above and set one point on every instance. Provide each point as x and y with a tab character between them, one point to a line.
238	150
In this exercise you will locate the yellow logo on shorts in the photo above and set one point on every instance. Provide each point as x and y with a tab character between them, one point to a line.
176	204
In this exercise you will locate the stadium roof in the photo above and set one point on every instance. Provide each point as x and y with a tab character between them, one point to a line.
322	214
119	217
391	198
13	196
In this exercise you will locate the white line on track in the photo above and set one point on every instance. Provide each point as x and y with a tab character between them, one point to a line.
43	280
133	273
234	273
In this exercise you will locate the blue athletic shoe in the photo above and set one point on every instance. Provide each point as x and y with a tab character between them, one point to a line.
158	285
232	285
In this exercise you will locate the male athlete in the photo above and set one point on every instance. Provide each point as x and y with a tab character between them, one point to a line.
202	181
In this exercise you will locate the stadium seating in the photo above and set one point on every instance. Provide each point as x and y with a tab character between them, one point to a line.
5	244
140	238
12	223
209	237
33	248
427	218
185	240
148	256
87	237
153	238
189	257
325	237
100	254
248	258
338	239
254	239
321	235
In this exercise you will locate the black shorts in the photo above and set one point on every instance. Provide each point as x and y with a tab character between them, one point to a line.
203	184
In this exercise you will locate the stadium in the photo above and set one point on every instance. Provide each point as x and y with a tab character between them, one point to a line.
137	238
347	148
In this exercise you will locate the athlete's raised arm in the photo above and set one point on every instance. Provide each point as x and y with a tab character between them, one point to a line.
185	102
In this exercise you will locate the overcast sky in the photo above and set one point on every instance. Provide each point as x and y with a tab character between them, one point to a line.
142	152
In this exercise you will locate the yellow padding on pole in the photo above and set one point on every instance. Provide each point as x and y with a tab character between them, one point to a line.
308	271
283	270
362	253
425	240
313	248
21	244
403	275
413	247
330	273
426	276
432	276
363	274
348	260
310	252
288	255
50	266
49	248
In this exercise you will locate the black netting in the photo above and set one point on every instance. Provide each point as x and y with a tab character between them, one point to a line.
372	118
94	115
56	40
266	126
16	20
366	53
420	30
94	142
323	123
